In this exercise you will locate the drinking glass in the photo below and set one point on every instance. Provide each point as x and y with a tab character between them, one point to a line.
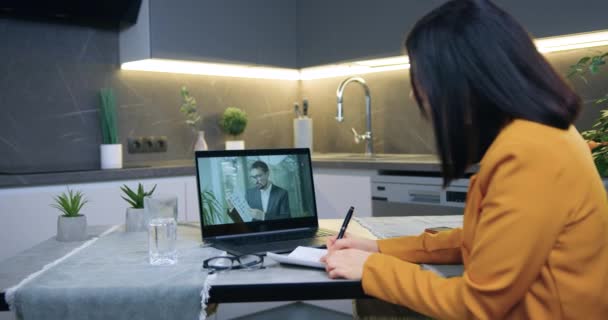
162	229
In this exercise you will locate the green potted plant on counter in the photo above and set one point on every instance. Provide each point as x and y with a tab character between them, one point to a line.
233	122
597	137
189	109
110	149
71	225
135	218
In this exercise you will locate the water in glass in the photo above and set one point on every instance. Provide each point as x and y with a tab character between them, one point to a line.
162	238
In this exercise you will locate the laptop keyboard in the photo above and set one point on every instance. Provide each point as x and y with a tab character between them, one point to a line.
278	237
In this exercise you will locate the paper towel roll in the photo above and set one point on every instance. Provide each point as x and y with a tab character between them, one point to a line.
302	133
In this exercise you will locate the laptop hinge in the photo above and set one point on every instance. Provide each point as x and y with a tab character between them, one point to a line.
260	233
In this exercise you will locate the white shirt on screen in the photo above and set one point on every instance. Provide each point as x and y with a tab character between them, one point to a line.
265	196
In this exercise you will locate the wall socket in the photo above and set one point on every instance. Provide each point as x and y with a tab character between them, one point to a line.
147	144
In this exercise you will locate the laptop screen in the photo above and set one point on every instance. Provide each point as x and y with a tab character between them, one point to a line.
248	191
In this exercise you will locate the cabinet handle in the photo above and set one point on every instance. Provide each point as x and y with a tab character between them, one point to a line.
425	197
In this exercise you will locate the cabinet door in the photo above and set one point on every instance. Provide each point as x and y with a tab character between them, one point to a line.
27	217
337	190
343	30
192	202
245	31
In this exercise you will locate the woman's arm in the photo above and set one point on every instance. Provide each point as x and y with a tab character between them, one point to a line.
442	247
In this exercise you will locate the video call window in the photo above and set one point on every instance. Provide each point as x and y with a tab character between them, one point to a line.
255	188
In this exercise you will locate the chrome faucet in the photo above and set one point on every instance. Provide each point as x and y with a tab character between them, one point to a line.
367	136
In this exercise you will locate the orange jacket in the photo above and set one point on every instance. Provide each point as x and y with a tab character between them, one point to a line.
534	241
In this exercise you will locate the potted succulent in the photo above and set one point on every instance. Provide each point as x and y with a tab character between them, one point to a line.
233	122
597	137
71	225
193	118
110	149
135	218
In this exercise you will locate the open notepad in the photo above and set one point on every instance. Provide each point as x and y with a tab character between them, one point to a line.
302	256
310	257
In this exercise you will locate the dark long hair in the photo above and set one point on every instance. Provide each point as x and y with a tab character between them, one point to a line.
478	69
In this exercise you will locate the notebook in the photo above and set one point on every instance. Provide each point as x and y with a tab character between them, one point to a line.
255	201
310	257
302	256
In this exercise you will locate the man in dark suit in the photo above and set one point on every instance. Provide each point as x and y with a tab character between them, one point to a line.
267	200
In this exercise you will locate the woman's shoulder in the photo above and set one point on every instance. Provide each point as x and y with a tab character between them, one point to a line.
536	149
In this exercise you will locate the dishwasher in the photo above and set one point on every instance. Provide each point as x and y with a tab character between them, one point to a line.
408	195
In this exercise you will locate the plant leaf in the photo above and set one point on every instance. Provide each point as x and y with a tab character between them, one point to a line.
149	193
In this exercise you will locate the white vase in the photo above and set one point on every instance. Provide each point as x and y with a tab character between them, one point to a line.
235	144
111	156
136	220
72	228
200	144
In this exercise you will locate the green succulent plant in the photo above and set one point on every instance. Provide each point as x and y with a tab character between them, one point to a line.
136	199
70	203
189	109
233	121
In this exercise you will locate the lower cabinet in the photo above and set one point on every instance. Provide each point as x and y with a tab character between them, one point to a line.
28	218
338	189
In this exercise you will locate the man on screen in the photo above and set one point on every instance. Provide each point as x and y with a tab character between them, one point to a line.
267	200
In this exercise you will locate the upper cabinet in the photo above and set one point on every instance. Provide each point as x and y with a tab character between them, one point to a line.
343	30
304	33
261	32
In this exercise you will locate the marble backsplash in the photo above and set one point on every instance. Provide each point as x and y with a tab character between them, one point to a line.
51	75
49	86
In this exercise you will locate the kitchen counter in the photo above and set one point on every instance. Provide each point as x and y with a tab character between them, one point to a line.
380	162
174	168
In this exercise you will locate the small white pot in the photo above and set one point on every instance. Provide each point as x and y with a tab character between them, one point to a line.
136	220
111	156
72	228
235	144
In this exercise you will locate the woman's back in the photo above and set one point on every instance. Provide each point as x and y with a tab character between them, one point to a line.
542	181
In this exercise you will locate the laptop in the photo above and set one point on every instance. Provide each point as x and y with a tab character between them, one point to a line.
255	201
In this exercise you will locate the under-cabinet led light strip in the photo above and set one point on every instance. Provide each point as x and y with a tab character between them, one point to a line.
211	69
545	45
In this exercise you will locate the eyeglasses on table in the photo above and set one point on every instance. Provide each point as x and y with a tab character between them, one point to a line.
231	262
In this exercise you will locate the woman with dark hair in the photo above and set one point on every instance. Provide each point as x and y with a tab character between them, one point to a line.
534	242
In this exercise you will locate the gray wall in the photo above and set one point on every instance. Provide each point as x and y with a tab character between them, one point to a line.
48	103
397	124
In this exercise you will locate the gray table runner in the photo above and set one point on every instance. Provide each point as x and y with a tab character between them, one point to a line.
390	227
110	278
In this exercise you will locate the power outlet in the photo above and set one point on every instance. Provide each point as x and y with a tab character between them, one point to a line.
147	144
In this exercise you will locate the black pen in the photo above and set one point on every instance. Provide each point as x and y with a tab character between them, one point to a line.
345	223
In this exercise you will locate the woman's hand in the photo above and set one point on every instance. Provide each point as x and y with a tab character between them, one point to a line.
347	263
349	242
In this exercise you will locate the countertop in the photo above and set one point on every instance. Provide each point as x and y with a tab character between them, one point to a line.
176	168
